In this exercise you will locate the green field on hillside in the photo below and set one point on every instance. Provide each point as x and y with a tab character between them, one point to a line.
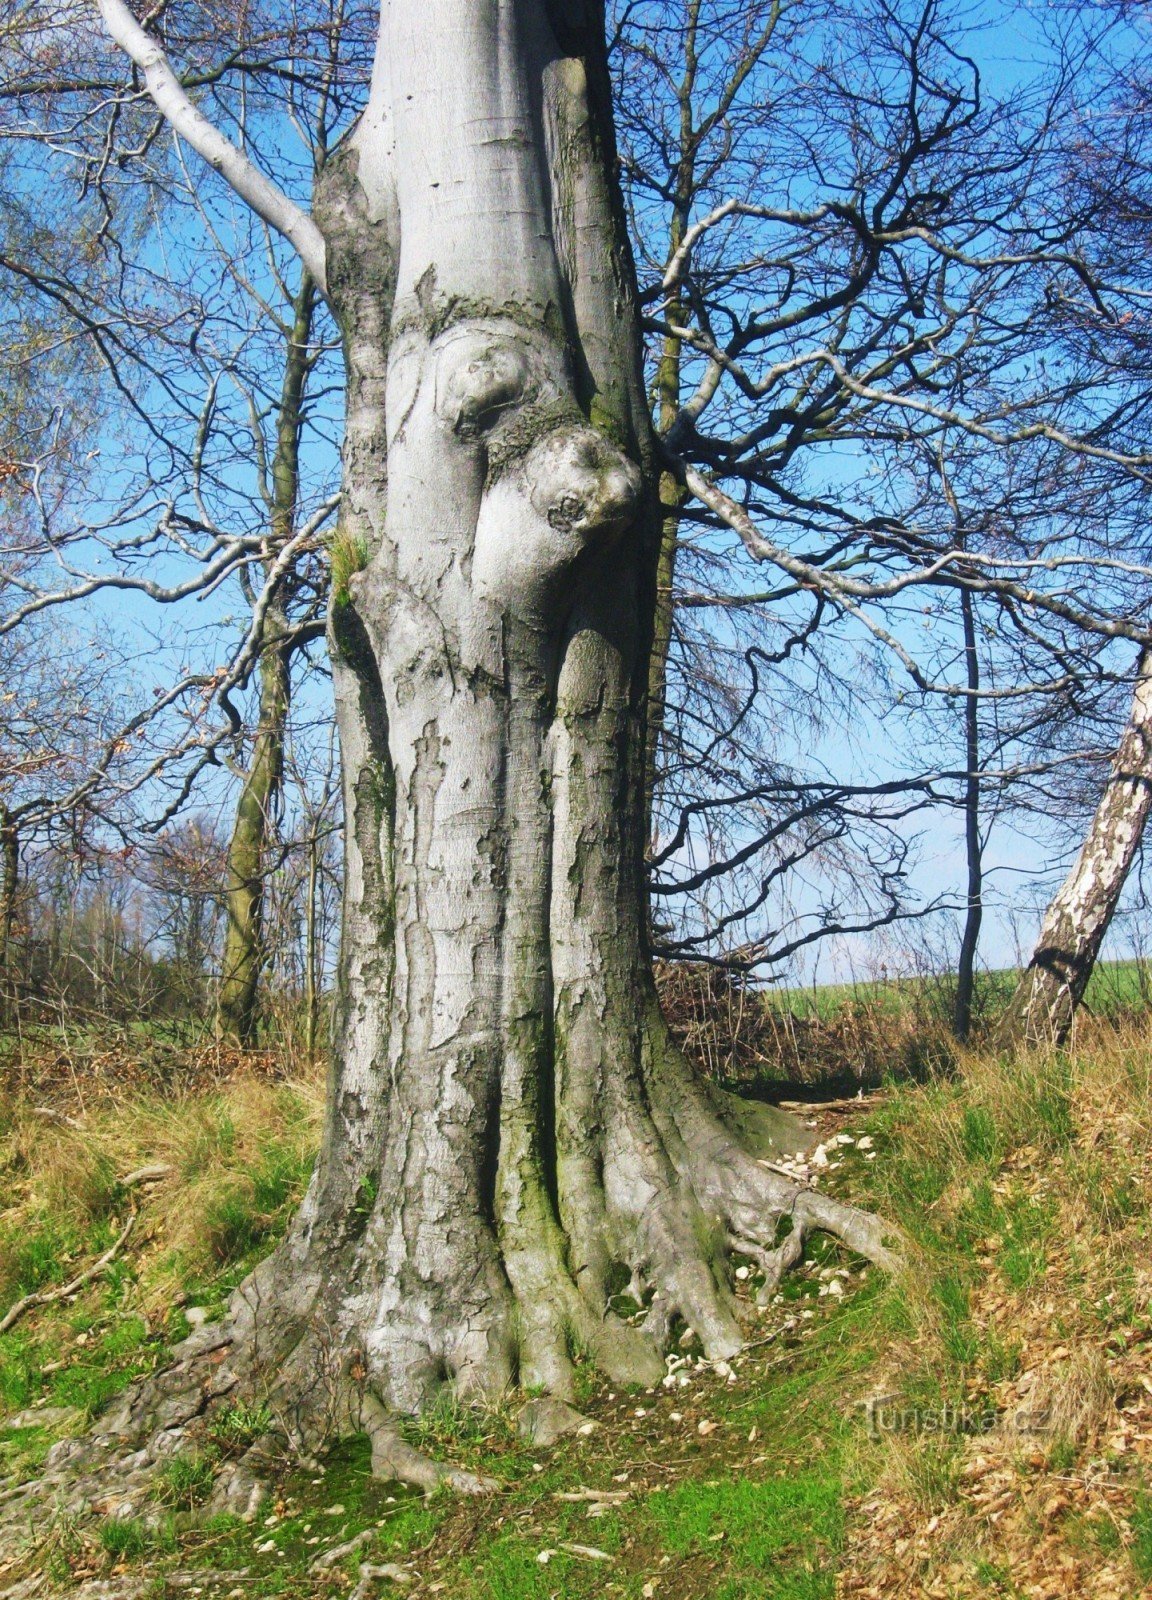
1114	986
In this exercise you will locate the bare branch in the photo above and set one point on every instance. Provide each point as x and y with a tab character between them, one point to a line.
270	203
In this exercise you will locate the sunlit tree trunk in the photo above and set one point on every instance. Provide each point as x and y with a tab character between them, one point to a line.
1045	1002
505	1092
243	954
973	844
511	1137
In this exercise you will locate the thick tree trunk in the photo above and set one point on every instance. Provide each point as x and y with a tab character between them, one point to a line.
511	1138
243	954
973	845
1044	1005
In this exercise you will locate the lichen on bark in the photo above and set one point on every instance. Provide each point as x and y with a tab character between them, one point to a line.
510	1131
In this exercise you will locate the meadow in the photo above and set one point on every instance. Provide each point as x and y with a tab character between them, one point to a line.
980	1426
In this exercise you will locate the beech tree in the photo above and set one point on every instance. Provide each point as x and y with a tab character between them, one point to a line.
511	1138
510	1133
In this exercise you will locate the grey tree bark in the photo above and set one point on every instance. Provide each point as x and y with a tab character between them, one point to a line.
242	958
1044	1005
511	1138
973	843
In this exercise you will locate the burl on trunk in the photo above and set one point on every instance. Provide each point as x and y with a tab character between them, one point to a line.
511	1139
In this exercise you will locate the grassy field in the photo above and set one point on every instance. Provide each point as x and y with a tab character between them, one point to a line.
1115	986
983	1427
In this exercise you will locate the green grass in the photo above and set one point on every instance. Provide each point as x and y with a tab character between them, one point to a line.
116	1347
1009	1172
1114	986
186	1480
760	1520
738	1518
767	1526
1142	1530
254	1209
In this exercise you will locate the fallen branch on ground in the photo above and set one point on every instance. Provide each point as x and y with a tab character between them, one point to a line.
152	1174
45	1297
50	1114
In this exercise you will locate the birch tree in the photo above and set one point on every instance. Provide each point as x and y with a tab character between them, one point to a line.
1044	1005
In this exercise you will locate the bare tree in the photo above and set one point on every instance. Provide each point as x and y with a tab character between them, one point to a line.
141	338
1042	1009
490	661
900	302
246	863
510	1130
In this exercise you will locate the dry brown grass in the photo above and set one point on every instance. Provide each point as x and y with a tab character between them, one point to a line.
1025	1183
237	1157
739	1034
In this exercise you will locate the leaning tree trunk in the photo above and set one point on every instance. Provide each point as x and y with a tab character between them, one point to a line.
511	1137
1042	1009
242	958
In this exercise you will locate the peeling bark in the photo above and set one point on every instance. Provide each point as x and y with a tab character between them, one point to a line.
511	1135
1044	1005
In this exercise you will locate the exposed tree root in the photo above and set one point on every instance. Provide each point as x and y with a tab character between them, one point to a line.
679	1194
394	1457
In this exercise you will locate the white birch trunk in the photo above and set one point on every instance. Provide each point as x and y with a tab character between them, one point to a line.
1044	1005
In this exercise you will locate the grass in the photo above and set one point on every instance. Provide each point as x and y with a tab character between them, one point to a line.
187	1479
238	1160
1021	1185
1114	987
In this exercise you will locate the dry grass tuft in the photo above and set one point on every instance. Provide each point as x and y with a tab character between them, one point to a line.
1024	1181
238	1158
